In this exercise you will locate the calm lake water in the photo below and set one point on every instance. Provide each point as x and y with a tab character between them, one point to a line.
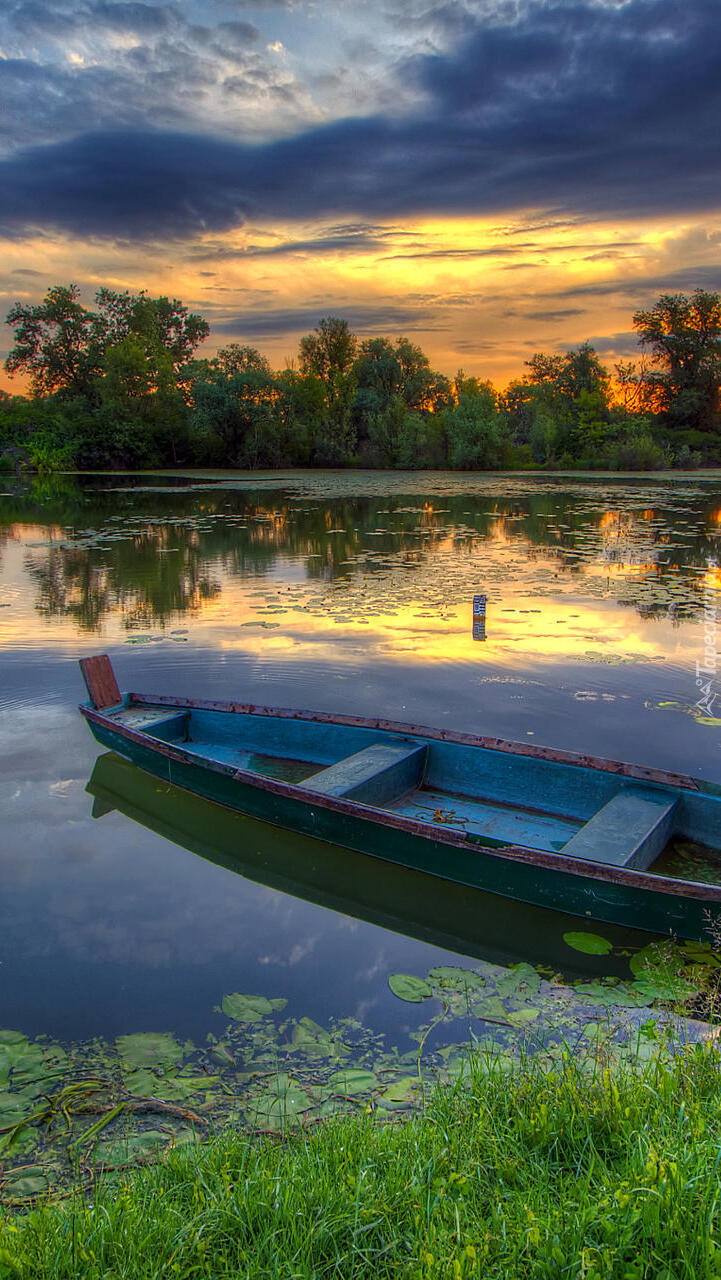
343	593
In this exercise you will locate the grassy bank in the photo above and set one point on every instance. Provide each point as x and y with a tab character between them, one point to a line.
528	1174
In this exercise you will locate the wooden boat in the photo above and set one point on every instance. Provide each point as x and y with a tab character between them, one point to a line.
550	828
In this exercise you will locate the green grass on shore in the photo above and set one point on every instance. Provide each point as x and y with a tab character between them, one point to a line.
532	1173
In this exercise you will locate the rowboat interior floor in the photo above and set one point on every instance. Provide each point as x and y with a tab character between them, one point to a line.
386	775
283	768
487	819
484	818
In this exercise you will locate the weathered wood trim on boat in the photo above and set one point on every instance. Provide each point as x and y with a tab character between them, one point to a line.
549	861
624	770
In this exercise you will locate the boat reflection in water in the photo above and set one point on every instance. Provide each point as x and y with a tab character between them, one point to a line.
467	921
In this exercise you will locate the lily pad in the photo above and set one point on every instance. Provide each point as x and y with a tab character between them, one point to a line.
132	1147
452	978
521	980
492	1009
591	944
13	1044
597	1032
243	1008
523	1017
623	995
310	1038
653	958
168	1088
660	976
29	1066
406	987
399	1094
13	1109
148	1049
666	986
31	1183
284	1103
353	1080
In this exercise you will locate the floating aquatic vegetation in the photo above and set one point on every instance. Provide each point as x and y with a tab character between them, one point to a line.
406	987
65	1111
593	540
251	1008
607	659
591	944
353	1080
148	1049
686	708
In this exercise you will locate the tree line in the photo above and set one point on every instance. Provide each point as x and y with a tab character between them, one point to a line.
120	385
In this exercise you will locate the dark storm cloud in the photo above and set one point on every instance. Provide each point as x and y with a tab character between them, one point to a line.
610	344
342	239
683	280
362	319
571	107
550	317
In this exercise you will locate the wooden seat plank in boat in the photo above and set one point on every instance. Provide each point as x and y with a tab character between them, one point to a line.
629	831
376	775
169	726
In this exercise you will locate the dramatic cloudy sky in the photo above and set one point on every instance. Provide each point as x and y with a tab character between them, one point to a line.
490	177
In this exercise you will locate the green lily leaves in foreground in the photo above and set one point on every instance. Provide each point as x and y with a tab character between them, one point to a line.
408	988
67	1110
147	1049
591	944
251	1008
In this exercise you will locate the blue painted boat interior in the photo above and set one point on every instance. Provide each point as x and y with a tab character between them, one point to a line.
493	797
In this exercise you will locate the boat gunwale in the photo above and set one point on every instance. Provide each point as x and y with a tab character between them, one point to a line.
605	874
641	773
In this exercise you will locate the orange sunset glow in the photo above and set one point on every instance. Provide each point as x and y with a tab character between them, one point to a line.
474	294
455	181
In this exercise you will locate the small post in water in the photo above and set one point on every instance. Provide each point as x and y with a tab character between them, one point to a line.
479	617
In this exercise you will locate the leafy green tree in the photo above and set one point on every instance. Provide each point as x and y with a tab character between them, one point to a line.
378	377
143	417
62	345
476	433
58	343
385	370
238	359
386	433
300	410
393	374
163	324
48	431
423	443
562	405
544	437
329	354
235	418
683	335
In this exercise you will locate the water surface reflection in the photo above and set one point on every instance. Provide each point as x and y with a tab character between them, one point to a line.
349	593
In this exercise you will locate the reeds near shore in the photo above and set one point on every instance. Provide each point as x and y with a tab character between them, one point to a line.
527	1172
